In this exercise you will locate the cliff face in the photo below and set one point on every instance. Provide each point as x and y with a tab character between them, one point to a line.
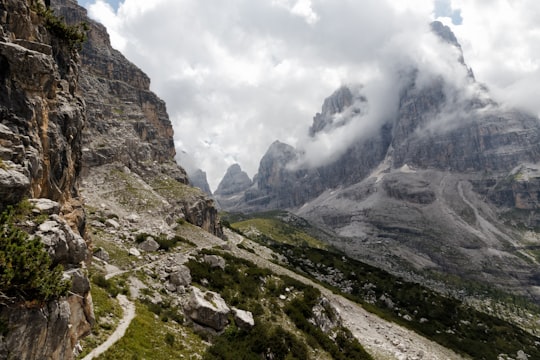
128	128
42	117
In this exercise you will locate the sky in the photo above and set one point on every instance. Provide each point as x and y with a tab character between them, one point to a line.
239	74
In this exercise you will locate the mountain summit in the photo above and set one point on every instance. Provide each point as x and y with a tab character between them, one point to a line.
438	187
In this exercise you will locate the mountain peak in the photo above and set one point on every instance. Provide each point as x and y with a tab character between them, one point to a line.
234	181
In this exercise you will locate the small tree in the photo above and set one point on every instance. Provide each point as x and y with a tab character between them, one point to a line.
26	271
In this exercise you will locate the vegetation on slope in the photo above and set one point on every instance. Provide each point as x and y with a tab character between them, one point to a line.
246	286
445	320
26	269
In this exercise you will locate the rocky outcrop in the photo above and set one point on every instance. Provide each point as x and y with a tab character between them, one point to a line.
128	126
42	117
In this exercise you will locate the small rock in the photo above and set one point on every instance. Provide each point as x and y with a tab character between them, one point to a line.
133	218
243	319
282	297
45	206
215	261
102	254
112	223
134	252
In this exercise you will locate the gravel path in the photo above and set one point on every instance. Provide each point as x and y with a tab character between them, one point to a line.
129	314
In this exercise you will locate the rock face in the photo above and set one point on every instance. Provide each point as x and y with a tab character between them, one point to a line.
438	187
198	179
128	127
42	119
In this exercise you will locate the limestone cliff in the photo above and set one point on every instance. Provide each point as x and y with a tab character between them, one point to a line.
128	127
42	117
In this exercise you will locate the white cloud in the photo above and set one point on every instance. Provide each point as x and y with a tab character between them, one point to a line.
238	75
501	41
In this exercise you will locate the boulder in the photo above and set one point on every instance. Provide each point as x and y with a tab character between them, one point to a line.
62	243
243	319
181	277
215	261
208	309
45	206
149	245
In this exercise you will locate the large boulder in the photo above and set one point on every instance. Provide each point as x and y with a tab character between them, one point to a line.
208	309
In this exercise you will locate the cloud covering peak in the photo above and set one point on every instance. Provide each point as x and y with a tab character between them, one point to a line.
238	75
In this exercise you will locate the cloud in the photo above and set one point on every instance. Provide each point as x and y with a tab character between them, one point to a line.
238	75
501	42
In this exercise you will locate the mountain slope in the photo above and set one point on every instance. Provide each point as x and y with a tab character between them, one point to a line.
447	186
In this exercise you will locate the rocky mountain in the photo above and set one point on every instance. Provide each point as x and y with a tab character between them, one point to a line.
129	131
42	117
447	186
73	111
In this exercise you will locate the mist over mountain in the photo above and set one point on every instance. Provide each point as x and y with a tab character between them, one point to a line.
433	179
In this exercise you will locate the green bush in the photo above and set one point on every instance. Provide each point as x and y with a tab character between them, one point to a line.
26	270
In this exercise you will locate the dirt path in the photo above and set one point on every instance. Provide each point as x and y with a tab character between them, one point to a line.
129	315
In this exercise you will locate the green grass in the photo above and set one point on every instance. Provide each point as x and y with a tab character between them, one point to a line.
170	188
104	307
148	337
118	256
278	231
445	320
248	287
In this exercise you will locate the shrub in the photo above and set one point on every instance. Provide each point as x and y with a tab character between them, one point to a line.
26	271
73	35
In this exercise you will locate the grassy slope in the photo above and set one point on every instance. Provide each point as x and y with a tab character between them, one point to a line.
442	319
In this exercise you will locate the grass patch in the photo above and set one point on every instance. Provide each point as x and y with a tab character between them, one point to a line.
107	312
248	287
137	344
278	231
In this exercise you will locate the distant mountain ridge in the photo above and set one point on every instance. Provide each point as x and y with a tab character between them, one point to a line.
438	187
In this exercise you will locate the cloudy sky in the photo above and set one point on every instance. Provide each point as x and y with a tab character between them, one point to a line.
239	74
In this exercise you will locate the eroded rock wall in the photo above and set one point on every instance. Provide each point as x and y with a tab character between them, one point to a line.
42	117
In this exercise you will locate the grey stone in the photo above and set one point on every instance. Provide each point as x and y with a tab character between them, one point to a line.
215	261
112	223
134	252
181	277
243	319
149	245
102	254
45	206
208	309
